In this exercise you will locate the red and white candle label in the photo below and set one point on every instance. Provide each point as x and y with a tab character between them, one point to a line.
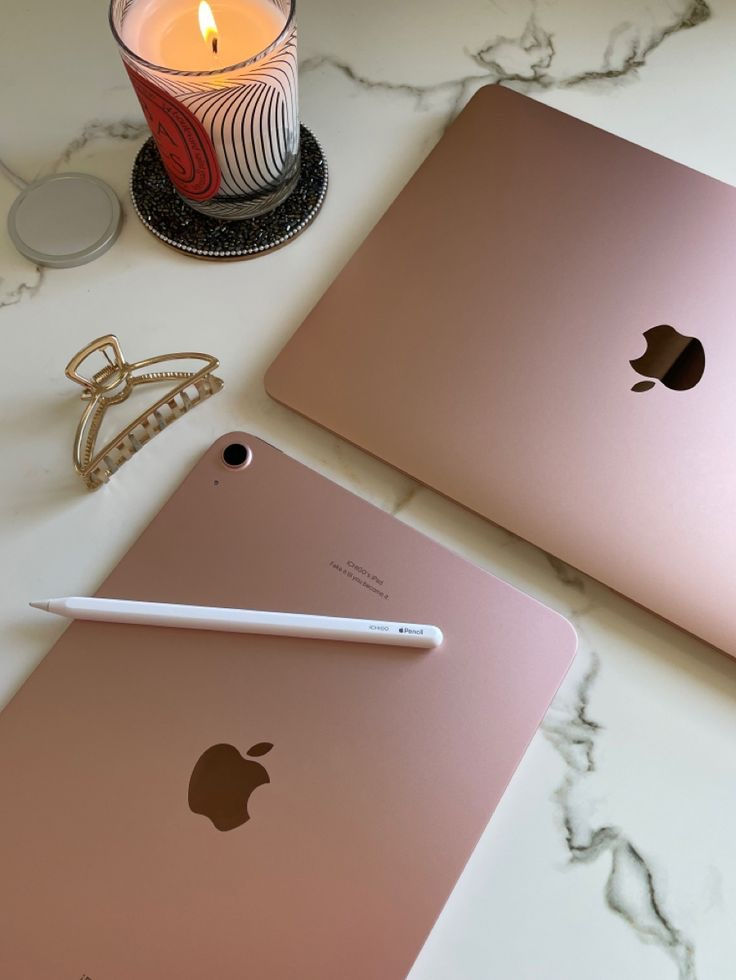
185	148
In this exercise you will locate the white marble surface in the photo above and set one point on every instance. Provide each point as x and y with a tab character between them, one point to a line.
612	854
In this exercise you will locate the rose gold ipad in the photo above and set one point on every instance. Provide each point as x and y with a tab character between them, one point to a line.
187	804
542	327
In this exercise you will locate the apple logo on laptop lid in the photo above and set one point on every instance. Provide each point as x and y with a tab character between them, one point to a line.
672	358
222	782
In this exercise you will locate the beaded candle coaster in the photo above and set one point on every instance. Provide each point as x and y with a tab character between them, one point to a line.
164	213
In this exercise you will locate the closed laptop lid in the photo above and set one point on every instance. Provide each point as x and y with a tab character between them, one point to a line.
185	804
481	340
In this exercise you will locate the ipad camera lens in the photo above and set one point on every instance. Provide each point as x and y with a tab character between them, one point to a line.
235	455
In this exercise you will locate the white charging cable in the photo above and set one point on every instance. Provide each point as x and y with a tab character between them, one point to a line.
13	177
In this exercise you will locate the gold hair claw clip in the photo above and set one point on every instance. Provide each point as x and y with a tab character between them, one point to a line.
113	383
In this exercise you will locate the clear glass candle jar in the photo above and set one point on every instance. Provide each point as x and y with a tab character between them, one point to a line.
218	86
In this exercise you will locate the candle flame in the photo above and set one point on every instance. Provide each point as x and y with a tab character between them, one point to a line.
207	24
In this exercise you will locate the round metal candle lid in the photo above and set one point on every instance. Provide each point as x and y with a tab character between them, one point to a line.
65	220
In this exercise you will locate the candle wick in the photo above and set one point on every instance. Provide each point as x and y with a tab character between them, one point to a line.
214	45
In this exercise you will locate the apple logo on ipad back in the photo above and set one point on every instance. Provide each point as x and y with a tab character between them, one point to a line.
672	358
222	782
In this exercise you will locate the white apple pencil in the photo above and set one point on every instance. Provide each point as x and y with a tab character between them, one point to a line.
244	621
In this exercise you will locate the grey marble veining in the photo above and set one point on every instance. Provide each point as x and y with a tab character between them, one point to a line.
531	58
531	61
13	293
125	130
631	890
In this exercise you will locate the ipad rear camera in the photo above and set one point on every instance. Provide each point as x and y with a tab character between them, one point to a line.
235	455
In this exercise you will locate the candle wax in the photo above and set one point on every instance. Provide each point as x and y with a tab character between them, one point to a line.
166	32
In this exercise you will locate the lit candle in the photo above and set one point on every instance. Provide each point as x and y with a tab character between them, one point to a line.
218	86
180	34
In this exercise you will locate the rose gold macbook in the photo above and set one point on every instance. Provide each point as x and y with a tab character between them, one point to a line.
543	328
180	804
